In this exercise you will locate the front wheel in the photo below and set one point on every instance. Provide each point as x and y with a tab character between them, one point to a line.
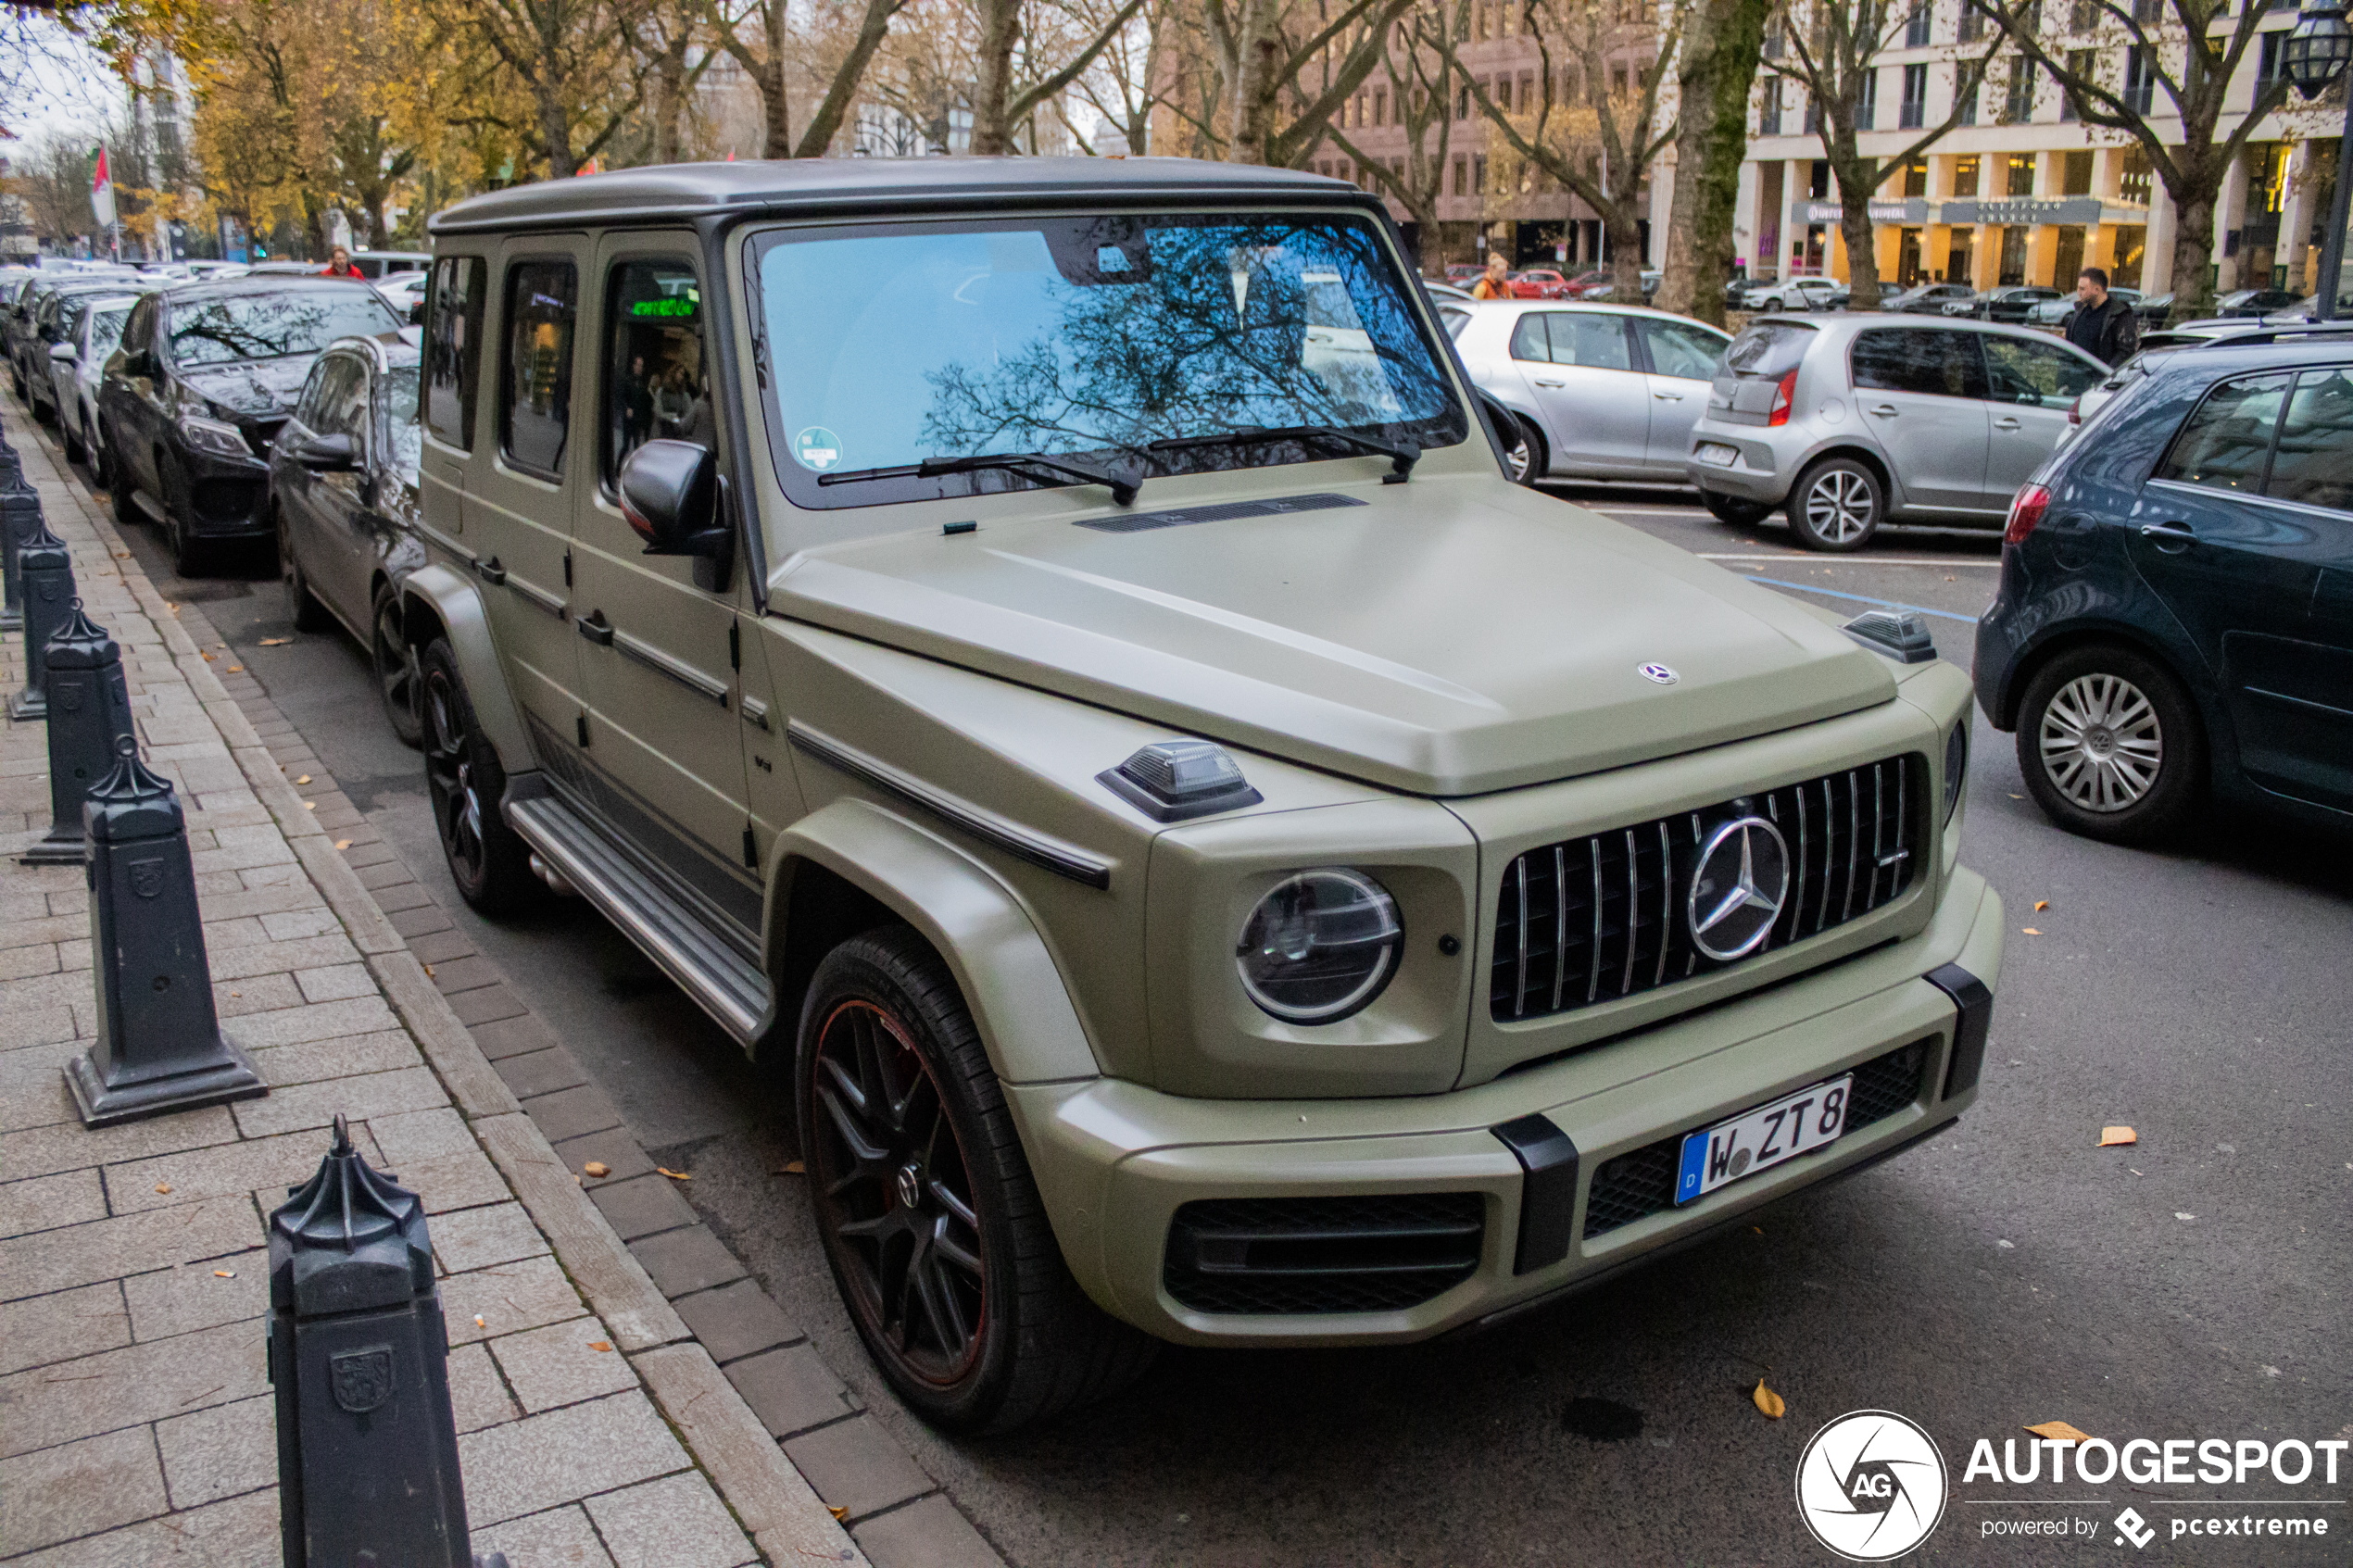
1836	506
2110	746
926	1206
188	554
487	860
71	431
1525	460
397	671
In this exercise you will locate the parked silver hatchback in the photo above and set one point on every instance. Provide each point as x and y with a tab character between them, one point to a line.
1595	391
1853	421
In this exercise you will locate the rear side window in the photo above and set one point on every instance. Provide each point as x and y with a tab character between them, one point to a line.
453	349
2313	465
535	397
140	331
1769	350
2040	373
2227	443
657	386
1597	343
1681	350
1918	360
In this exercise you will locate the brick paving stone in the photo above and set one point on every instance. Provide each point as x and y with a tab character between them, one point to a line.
675	1523
541	1461
512	1036
562	1537
478	1238
541	1073
364	853
58	1327
115	1388
74	1488
573	1114
219	1452
408	896
684	1261
323	1020
196	1295
735	1321
789	1389
465	975
615	1148
42	1150
855	1464
381	1051
417	922
276	956
464	1180
385	871
478	1396
509	1299
263	993
35	1265
641	1206
486	1004
255	1165
293	924
315	1104
439	946
35	1026
336	983
238	1533
557	1366
928	1533
33	1085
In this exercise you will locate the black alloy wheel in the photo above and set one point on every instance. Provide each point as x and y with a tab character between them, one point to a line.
926	1206
398	675
119	487
302	606
487	860
179	523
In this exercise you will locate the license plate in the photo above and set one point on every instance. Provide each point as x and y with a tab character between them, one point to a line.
1712	452
1760	1139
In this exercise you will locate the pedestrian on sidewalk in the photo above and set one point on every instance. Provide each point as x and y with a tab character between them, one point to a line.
2103	325
339	266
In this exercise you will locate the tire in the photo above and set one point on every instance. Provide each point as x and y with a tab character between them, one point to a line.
1527	460
189	554
302	606
1734	511
75	450
488	859
123	491
2110	745
939	1243
398	672
1836	506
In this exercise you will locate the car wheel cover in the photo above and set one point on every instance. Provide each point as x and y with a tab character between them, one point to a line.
457	804
2103	747
395	662
1839	507
893	1194
1521	458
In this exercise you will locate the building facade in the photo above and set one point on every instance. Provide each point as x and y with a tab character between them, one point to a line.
2021	192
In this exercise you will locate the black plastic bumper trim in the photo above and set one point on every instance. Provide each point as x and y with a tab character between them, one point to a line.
1975	1000
1548	1191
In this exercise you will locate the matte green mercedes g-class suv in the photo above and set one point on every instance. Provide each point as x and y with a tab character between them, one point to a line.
1046	652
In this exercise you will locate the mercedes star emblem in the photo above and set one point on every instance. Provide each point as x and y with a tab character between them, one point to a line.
1660	673
1737	888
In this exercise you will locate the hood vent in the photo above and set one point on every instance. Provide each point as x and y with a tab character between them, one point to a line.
1137	523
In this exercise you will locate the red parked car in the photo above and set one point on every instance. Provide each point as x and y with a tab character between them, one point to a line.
1576	287
1538	282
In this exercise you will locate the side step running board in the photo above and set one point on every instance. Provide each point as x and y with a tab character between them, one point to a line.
709	968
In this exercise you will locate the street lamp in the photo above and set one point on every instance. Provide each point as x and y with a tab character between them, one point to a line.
2315	54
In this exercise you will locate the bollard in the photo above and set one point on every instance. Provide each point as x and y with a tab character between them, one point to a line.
358	1354
89	720
19	518
159	1046
44	575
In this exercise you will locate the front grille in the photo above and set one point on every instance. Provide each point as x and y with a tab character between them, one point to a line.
1593	920
1641	1182
1377	1253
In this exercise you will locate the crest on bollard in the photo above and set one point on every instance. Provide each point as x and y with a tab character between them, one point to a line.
89	720
44	576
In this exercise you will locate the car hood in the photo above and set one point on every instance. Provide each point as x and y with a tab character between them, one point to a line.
1447	637
256	388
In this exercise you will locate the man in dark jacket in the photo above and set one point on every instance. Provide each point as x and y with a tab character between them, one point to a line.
2103	326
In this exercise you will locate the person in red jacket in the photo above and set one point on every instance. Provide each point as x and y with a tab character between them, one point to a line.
339	266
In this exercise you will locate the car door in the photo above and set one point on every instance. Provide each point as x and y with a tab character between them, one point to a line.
292	487
2032	384
2240	561
1921	395
659	648
1680	361
340	499
1579	367
134	402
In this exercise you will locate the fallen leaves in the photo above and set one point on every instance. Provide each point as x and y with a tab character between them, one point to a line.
236	669
428	971
346	843
2041	904
595	1168
164	1187
2030	930
310	805
2059	1432
2115	1137
306	779
673	1176
791	1168
599	1345
840	1512
1768	1401
275	642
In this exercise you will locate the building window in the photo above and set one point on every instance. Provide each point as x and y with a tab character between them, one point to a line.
1965	175
1915	28
2133	185
1972	25
2084	17
1817	181
1867	102
1916	177
1478	176
1769	113
2021	175
1462	102
2267	62
1915	105
1775	40
2140	83
2079	65
1619	82
1813	118
2075	174
1969	105
2148	12
1380	106
2019	108
1461	187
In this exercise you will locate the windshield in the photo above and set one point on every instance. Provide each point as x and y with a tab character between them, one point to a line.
401	411
1081	335
268	326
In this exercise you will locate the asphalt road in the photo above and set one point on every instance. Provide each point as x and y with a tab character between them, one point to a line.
2196	1285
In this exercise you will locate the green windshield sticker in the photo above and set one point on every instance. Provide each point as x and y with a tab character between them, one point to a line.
817	447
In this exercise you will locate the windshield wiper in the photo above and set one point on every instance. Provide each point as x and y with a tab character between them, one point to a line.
1123	487
1402	456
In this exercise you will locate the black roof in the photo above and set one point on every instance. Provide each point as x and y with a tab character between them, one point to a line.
849	185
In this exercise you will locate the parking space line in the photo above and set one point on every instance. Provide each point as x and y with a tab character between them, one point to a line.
1857	560
1863	598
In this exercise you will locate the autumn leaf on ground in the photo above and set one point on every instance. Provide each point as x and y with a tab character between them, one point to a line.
164	1187
2041	904
2030	931
838	1512
674	1175
597	1167
2061	1431
1768	1401
306	779
2112	1138
791	1168
275	642
346	843
599	1345
236	670
310	805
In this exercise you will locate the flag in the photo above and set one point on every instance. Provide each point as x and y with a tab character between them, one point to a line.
102	190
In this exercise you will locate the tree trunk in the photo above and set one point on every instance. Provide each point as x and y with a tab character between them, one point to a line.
2193	244
835	106
1855	183
1256	85
554	132
1625	218
993	76
1719	62
670	100
775	106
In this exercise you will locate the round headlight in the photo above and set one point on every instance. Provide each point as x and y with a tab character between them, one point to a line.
1319	946
1955	765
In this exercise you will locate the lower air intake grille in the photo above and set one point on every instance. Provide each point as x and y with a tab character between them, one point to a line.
1370	1254
1593	920
1641	1183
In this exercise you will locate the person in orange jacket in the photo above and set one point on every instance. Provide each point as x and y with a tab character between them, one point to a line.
339	266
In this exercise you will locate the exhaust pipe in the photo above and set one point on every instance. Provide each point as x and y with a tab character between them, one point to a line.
557	884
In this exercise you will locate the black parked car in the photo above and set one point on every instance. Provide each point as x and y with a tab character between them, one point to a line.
2012	304
2176	607
342	498
2242	303
20	328
203	377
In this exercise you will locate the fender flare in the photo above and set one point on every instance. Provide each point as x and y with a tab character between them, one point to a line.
456	605
973	920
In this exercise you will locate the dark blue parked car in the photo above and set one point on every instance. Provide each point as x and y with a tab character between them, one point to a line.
2176	607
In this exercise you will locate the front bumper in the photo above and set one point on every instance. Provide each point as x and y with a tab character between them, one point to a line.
1115	1161
226	495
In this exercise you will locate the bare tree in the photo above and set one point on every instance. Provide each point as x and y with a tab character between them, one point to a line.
568	57
769	56
1261	49
1421	94
998	102
1714	72
1126	84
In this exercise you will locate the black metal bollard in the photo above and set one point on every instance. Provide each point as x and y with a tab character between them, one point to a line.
358	1353
45	574
19	519
159	1046
89	720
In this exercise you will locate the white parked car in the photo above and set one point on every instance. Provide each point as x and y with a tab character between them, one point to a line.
1798	293
77	363
405	292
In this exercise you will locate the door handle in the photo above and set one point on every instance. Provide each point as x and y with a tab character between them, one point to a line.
596	628
1541	382
1885	411
2005	424
491	571
2165	534
1668	396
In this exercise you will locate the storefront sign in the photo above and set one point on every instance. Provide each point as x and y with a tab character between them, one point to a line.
1913	210
2023	210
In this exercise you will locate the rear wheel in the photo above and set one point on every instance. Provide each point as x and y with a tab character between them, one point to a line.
1734	511
71	431
302	606
1836	506
396	669
926	1206
2110	746
488	859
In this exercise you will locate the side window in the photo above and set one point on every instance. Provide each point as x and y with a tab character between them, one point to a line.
1598	342
1678	350
140	331
2036	372
657	384
2314	463
1529	342
314	392
534	391
453	348
1453	318
1918	360
2227	443
343	404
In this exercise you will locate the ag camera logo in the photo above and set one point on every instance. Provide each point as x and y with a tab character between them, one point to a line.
1871	1486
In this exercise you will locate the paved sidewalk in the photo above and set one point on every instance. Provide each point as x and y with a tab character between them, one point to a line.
135	1420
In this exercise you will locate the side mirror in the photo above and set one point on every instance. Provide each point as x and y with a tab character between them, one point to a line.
63	352
327	453
670	493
